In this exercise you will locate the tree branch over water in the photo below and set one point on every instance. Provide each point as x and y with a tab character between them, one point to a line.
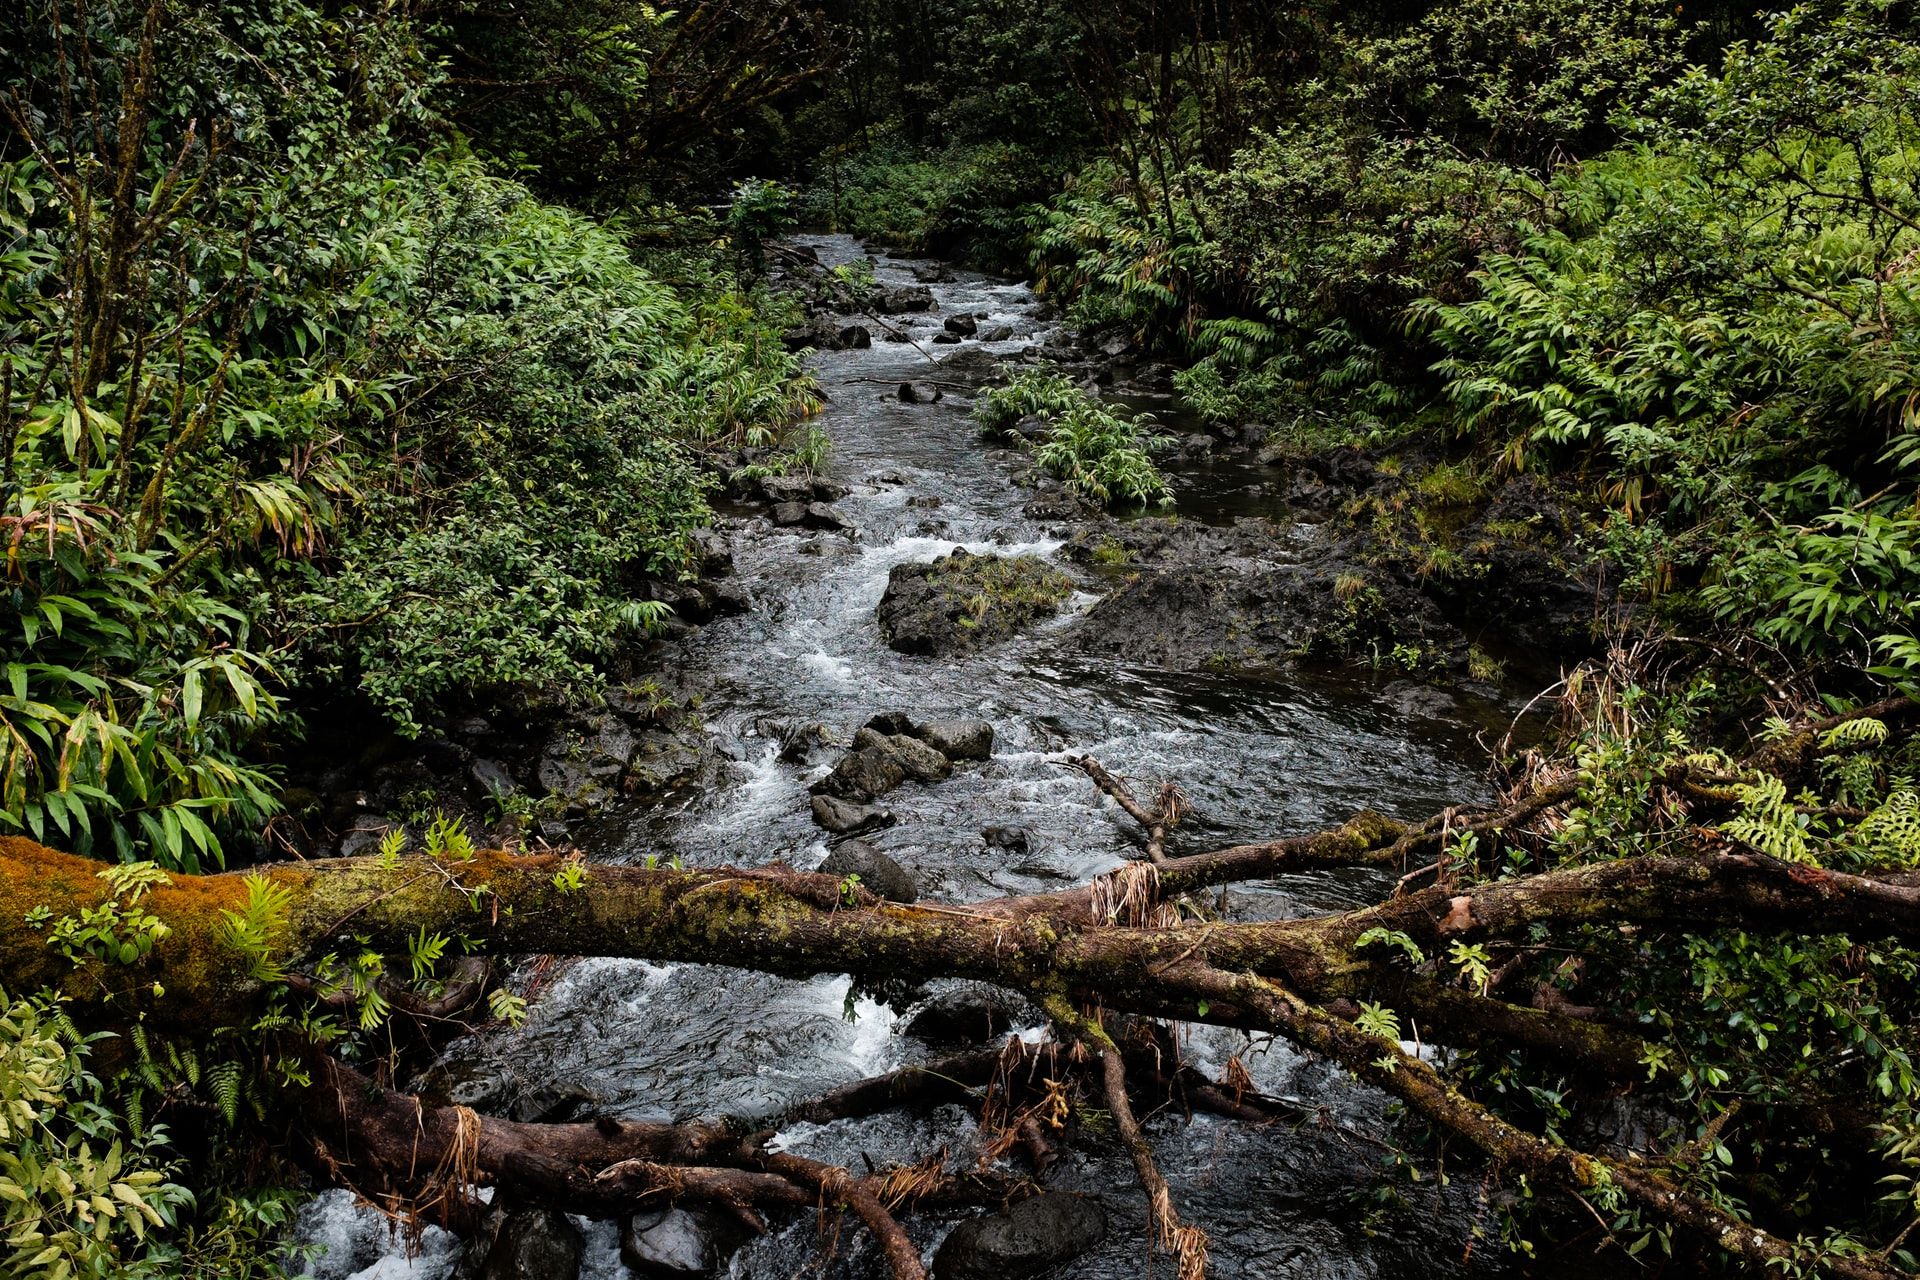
1129	947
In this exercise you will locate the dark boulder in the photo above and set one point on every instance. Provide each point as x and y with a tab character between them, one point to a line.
810	515
1035	1234
958	739
975	363
863	774
961	602
665	1244
846	818
920	762
893	301
878	873
534	1244
965	326
999	333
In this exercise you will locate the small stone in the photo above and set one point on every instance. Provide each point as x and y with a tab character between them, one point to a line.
1012	839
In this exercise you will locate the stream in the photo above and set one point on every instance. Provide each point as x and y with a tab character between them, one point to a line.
1257	757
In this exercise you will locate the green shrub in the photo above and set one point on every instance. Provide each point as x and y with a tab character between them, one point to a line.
1095	452
1744	380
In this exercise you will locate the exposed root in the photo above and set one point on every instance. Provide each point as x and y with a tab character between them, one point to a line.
1187	1244
837	1186
1127	895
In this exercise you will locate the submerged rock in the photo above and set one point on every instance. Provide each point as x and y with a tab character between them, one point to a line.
1012	839
534	1244
961	601
878	873
1035	1234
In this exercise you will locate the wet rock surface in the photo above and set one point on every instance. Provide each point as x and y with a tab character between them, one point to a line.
878	873
534	1244
963	601
1032	1236
674	1244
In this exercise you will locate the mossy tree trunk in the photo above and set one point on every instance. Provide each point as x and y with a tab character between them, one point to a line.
1099	959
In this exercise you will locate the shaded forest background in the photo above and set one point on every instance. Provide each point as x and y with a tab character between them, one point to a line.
372	363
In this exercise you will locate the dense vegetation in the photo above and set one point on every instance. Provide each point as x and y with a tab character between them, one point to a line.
352	356
1665	252
301	397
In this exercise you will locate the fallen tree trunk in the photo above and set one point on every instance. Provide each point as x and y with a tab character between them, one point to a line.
220	949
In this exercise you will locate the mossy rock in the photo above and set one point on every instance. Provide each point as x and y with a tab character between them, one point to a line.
962	602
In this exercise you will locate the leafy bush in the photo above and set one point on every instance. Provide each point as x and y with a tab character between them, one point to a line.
1095	452
1036	393
1746	380
86	1190
303	379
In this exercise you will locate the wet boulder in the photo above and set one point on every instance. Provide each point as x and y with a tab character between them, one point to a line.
878	873
958	739
810	515
999	333
933	273
801	743
962	602
801	489
1035	1234
919	761
843	817
947	339
903	298
972	362
534	1244
964	326
863	774
823	334
919	393
663	1244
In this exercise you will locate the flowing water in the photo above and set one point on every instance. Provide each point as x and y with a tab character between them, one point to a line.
1257	757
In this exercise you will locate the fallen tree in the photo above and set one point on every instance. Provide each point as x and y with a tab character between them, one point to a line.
1488	937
